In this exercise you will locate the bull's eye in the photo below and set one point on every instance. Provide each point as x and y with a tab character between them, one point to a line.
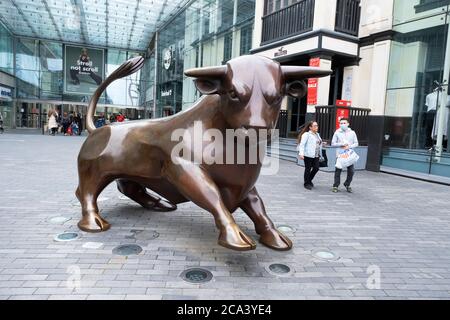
233	95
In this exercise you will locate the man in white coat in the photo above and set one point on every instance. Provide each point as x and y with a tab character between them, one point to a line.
344	138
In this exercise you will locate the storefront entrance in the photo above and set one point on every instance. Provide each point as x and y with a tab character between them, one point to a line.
28	115
5	111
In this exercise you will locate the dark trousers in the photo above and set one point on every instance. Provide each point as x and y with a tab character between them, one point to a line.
350	174
312	166
93	75
429	123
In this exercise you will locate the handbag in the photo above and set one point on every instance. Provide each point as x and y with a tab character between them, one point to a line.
346	158
323	160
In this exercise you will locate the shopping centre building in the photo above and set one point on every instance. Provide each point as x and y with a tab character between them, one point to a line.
390	57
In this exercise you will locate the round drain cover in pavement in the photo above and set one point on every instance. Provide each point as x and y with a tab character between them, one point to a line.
66	236
58	220
286	228
325	255
196	275
127	250
279	268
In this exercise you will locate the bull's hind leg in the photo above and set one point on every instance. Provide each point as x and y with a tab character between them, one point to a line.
87	193
138	193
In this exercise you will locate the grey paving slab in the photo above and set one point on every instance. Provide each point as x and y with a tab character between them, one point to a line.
391	237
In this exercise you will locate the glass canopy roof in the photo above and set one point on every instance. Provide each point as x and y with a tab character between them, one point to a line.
106	23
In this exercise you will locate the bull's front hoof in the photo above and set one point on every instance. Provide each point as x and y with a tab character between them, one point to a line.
274	239
233	238
93	223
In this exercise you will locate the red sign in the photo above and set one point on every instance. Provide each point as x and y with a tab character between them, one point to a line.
341	113
343	103
313	83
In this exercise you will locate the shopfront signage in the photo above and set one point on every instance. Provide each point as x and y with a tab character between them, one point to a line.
343	103
167	58
84	69
281	52
313	84
341	113
5	93
166	93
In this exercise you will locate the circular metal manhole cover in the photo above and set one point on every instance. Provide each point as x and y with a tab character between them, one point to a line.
58	220
127	250
66	236
196	275
325	255
286	228
279	269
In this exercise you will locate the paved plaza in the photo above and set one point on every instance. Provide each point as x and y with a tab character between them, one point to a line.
390	239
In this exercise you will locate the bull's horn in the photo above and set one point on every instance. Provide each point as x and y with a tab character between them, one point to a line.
207	72
299	73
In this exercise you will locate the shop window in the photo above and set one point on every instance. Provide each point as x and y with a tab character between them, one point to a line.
426	5
246	39
227	47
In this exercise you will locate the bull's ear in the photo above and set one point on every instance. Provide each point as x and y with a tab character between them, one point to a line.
206	86
208	80
301	73
296	89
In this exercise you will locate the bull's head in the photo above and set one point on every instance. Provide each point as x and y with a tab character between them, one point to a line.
252	88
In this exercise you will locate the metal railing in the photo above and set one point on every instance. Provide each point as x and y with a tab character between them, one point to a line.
359	122
282	124
348	15
295	19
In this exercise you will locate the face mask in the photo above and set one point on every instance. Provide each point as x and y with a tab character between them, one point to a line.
344	127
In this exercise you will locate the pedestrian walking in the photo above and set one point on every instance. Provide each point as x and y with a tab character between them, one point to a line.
65	123
52	122
1	123
310	150
346	140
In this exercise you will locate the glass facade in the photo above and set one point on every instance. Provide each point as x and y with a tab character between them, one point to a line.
39	73
417	62
7	67
205	33
37	67
6	51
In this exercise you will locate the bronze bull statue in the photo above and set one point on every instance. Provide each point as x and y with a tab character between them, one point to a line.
246	93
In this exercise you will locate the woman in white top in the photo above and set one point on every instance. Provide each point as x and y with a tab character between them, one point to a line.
310	150
52	123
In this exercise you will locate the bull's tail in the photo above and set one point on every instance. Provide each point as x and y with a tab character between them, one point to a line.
126	69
